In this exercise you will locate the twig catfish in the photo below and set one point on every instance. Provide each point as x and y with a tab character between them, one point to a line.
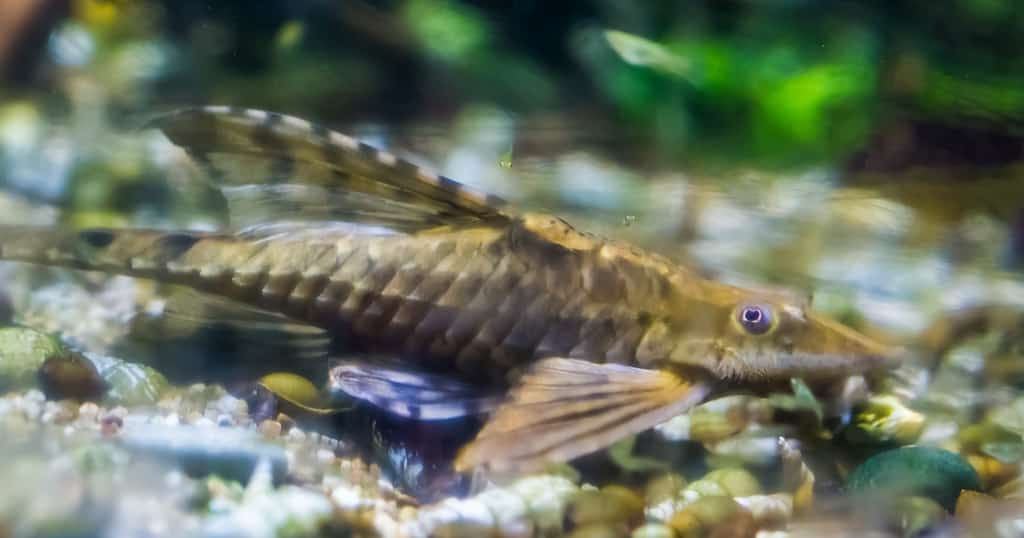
569	340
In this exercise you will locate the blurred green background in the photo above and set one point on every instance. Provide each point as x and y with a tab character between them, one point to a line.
776	82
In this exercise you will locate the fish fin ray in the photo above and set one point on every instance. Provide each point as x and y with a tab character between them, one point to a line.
410	393
188	313
549	417
239	147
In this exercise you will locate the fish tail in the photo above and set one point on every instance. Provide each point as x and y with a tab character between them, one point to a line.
138	253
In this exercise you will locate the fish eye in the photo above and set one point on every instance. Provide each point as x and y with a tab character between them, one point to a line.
755	319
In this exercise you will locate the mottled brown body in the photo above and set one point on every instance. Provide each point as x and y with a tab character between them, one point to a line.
481	300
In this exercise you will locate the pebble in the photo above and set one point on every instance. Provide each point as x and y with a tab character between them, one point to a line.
713	516
88	411
111	424
63	412
70	376
917	470
325	456
610	506
204	422
271	429
653	530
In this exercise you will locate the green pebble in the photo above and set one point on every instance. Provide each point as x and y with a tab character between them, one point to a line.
22	352
735	481
916	470
130	384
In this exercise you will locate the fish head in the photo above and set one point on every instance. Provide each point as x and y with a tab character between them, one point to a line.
753	337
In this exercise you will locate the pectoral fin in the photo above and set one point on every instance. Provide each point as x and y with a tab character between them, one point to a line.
410	393
564	408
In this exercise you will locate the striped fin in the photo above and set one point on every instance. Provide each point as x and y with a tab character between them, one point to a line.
409	393
565	408
303	165
259	332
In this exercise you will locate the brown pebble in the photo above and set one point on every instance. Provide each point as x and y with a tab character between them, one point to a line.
714	517
663	487
600	530
286	422
611	506
111	424
70	376
271	429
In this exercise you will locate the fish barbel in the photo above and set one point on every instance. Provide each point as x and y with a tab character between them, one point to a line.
569	340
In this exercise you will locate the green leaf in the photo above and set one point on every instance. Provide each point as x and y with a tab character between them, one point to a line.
802	399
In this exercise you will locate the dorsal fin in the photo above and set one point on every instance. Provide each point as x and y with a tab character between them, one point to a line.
280	165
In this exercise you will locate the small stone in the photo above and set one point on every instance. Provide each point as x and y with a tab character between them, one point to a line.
598	530
913	516
133	384
63	412
663	492
111	424
325	456
706	488
296	435
612	506
271	429
736	482
713	516
88	411
22	353
70	376
653	530
286	422
918	470
225	420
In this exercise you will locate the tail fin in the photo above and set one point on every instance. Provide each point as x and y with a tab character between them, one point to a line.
140	253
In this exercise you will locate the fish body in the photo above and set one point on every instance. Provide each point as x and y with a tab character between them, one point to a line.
584	339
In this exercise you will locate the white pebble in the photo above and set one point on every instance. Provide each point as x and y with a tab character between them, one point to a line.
88	411
325	456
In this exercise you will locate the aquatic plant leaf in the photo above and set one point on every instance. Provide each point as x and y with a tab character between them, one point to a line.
802	399
638	51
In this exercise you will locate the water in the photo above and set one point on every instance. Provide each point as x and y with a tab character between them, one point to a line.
865	156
